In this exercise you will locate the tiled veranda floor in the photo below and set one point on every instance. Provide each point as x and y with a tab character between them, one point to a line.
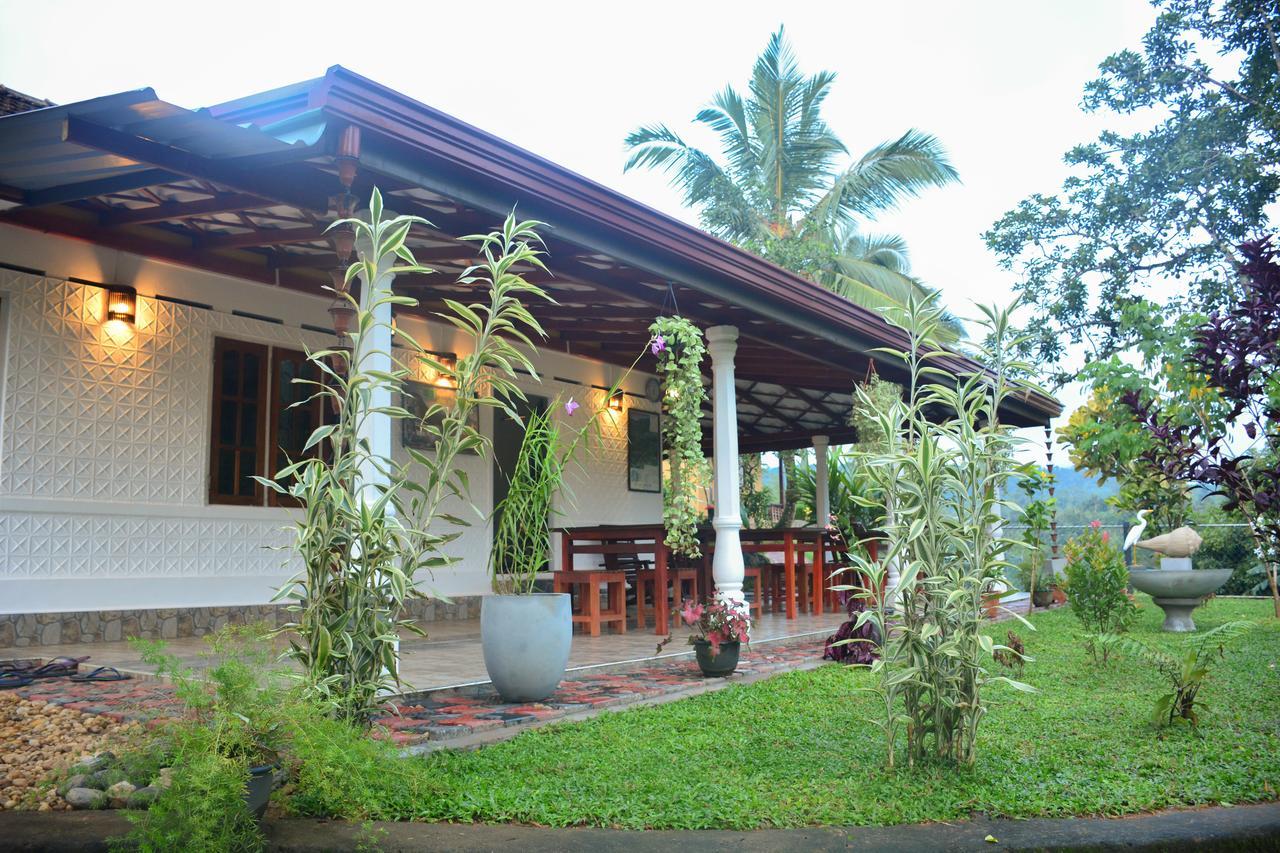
451	655
606	672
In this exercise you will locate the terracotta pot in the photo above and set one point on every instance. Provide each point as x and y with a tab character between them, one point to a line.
1059	597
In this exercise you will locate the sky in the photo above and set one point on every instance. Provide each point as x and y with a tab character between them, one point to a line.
999	82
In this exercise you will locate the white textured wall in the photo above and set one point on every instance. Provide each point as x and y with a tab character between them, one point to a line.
104	440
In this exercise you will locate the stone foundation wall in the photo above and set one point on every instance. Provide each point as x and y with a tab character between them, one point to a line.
30	630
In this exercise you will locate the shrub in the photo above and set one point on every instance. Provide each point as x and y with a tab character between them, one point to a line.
369	524
236	712
1096	586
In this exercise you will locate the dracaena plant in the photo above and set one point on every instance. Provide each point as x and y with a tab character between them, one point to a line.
941	462
1037	516
679	347
365	534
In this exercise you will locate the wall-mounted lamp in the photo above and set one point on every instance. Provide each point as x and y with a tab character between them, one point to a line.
449	361
122	303
615	400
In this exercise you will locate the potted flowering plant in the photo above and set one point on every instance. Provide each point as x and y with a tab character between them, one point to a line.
719	630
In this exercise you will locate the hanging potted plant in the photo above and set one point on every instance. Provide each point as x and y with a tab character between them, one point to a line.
679	348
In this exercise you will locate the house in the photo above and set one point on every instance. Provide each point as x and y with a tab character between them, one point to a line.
162	272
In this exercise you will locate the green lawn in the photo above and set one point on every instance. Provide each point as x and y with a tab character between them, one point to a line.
795	751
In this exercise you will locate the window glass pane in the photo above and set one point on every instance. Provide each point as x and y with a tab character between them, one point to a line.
248	425
248	467
250	375
230	373
227	415
226	472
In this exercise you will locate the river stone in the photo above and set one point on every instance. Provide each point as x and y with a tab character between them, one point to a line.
101	761
119	794
104	779
85	798
143	798
76	781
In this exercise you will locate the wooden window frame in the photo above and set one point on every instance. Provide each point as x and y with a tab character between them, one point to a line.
220	346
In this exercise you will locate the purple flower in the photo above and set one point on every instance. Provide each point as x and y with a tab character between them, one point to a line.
571	406
659	344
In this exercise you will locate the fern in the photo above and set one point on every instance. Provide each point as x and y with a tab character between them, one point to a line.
1186	671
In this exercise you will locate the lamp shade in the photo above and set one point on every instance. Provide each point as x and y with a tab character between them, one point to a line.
122	303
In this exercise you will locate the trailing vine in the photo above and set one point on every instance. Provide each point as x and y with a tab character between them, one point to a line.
679	347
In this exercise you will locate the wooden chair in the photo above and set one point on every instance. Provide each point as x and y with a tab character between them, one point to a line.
587	586
683	582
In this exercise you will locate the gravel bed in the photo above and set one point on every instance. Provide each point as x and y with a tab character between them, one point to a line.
38	739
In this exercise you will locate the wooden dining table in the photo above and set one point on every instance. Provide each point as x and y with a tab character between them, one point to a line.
619	543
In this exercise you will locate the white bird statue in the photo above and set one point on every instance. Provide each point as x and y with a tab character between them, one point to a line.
1135	532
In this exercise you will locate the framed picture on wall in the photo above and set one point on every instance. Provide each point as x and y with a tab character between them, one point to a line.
644	452
417	398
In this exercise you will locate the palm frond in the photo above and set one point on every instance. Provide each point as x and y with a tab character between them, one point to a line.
704	184
884	176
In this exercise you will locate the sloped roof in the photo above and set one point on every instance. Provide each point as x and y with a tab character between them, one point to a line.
12	101
246	188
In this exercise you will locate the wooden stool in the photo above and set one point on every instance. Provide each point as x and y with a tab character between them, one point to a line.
683	581
587	584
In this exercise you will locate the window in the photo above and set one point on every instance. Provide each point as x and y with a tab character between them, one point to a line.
256	426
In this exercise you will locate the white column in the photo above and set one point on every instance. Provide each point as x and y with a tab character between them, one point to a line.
374	353
727	565
822	498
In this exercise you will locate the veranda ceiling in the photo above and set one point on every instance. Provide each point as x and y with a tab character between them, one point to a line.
246	188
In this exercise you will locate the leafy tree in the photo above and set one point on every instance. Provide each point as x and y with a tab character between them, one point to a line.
1163	206
777	188
1233	449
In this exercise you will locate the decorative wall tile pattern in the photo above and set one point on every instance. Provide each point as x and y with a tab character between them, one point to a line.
95	412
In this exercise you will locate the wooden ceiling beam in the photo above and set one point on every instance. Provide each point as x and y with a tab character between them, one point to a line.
170	211
164	246
264	237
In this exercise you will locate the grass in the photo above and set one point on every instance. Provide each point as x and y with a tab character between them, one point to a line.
795	751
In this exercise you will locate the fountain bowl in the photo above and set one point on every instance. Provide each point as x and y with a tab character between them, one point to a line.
1178	591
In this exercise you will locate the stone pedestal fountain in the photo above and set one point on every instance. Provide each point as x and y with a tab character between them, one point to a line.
1176	587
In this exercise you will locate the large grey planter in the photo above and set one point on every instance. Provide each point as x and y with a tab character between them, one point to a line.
526	642
1178	591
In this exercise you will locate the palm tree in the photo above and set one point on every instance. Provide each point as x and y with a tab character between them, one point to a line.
777	191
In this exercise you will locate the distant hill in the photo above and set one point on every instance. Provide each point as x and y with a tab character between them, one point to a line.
1081	499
